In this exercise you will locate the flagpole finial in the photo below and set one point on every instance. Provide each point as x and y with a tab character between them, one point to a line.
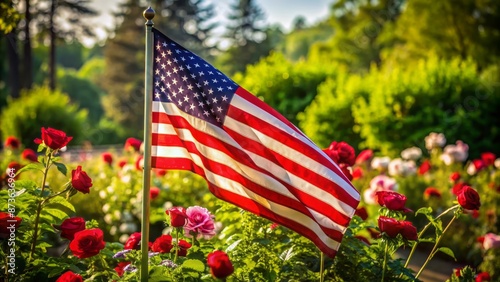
149	14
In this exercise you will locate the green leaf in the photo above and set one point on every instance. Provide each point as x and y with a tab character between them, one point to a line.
40	148
447	251
41	159
194	264
31	166
61	167
61	204
425	211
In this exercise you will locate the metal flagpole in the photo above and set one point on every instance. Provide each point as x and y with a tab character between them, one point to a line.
148	14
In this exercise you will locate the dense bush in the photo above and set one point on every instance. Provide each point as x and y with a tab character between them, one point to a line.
329	116
287	87
393	108
434	95
38	108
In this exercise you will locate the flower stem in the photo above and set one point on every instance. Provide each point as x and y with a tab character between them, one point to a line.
384	265
423	231
40	204
322	267
176	244
433	251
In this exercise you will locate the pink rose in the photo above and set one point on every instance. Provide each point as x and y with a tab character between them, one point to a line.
491	241
200	223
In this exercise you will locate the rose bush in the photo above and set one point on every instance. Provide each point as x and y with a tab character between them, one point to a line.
189	244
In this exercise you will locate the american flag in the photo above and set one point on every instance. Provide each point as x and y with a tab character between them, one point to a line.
249	154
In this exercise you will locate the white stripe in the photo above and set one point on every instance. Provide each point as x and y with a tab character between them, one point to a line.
235	187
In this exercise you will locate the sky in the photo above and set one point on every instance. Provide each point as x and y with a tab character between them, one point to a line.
282	12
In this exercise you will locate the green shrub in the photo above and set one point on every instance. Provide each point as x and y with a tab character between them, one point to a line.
405	105
329	116
40	107
287	87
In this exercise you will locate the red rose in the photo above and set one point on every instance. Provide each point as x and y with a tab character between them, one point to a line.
87	243
468	198
454	177
457	271
483	276
70	226
357	173
122	163
29	155
488	158
53	138
107	158
133	242
12	143
389	225
424	167
220	265
154	192
132	144
183	247
361	212
69	276
80	180
162	244
478	164
341	152
392	200
119	269
432	192
178	216
408	231
364	156
457	188
8	224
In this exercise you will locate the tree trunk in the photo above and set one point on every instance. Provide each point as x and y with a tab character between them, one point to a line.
52	56
28	58
13	65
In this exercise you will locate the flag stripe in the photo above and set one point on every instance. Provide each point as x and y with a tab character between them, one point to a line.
248	168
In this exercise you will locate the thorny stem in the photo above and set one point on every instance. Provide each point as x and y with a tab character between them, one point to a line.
433	252
423	231
40	204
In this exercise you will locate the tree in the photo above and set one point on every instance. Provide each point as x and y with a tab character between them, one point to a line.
75	11
246	25
363	28
250	39
448	29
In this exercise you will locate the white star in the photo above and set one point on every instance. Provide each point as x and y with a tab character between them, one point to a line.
188	67
184	78
190	87
174	81
224	98
162	89
181	89
196	65
191	107
186	98
163	54
200	104
214	80
206	113
169	73
219	109
164	44
162	77
219	89
201	73
175	70
175	60
163	66
157	83
215	100
179	102
168	85
157	95
169	52
210	91
169	62
205	82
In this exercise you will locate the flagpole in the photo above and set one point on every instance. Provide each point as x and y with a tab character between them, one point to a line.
148	14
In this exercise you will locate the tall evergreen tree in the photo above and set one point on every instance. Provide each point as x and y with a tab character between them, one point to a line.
63	19
249	37
246	23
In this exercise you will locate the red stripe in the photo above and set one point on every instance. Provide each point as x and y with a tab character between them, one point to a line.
305	198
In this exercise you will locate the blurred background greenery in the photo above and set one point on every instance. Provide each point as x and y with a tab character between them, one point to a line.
376	74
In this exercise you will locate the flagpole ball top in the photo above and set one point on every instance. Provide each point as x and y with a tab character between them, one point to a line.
149	14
